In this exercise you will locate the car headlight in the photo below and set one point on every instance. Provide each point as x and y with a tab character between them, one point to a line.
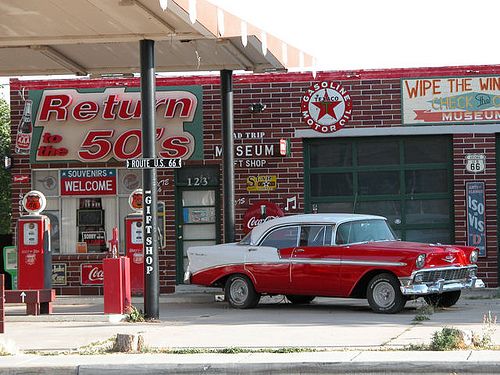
473	256
420	261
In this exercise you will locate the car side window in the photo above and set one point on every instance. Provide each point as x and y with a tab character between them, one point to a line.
343	235
315	235
282	238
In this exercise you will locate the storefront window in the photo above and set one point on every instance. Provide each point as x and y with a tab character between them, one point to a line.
83	221
331	184
426	181
378	153
419	150
428	211
378	183
325	156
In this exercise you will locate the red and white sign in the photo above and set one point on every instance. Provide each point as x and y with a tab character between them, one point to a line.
97	126
20	178
259	213
326	107
91	274
88	182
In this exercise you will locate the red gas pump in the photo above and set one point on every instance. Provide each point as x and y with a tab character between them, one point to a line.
134	242
33	244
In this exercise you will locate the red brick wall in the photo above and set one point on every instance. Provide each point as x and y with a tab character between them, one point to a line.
477	144
376	97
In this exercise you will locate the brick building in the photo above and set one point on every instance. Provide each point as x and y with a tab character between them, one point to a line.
419	146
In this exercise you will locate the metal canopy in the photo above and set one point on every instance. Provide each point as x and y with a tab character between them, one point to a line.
101	37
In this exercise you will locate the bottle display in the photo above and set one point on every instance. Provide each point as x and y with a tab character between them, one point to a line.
24	130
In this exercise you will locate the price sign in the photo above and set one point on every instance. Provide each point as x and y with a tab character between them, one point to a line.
145	163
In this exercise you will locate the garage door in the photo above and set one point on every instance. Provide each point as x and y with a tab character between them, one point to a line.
409	180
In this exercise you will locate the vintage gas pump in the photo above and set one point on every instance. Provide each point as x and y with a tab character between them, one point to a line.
33	244
133	242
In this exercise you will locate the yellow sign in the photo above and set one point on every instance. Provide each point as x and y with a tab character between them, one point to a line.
262	183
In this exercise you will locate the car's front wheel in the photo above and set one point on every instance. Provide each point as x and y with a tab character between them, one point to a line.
384	295
299	300
446	299
240	292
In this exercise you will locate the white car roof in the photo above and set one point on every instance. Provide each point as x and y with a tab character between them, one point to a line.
260	229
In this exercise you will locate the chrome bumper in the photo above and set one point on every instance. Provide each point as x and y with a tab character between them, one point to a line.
441	286
187	277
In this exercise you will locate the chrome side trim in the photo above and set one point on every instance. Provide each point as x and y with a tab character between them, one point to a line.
369	263
332	261
346	262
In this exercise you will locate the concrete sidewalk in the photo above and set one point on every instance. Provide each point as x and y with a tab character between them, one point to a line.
343	336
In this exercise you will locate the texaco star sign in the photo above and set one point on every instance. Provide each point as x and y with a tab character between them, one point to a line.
326	107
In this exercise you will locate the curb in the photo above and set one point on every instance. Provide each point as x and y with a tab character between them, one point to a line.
418	367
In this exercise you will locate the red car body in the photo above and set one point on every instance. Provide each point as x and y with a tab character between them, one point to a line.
334	255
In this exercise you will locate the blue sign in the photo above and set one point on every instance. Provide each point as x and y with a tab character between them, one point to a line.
476	224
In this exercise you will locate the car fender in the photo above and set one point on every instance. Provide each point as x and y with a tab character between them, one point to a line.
217	276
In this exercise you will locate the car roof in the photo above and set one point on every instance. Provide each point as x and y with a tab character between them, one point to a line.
259	230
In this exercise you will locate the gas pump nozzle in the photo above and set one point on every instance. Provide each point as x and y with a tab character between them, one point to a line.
113	244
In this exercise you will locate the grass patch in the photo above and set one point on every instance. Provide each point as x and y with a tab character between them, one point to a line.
231	350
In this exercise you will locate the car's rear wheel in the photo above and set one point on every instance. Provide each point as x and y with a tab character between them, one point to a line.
300	300
446	299
384	295
240	292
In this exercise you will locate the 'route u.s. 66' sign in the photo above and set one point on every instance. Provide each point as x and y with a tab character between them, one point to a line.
326	107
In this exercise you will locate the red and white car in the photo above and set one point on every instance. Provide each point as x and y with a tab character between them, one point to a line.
334	255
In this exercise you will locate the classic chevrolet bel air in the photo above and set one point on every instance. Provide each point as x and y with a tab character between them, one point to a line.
334	255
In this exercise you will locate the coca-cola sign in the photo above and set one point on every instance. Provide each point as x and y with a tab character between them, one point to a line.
259	213
92	274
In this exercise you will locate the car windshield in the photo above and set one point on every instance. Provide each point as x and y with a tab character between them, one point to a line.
364	231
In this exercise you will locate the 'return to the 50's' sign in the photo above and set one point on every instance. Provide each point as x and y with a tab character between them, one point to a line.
72	125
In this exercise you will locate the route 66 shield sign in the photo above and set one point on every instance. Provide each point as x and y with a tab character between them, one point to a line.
476	163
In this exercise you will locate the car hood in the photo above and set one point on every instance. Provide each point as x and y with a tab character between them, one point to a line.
437	255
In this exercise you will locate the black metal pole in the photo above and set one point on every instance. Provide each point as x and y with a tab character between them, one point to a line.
151	272
226	85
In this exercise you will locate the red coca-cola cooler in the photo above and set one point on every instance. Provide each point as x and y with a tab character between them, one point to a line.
33	244
134	248
117	296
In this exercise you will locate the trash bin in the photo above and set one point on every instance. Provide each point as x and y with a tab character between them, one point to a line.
117	297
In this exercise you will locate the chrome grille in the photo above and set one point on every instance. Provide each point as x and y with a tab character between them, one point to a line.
445	274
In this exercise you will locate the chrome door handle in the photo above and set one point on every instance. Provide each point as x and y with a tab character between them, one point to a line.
299	251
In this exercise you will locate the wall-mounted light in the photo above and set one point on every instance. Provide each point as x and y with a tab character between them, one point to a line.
7	162
257	107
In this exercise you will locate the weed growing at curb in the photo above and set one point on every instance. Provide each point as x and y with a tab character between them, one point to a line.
134	315
450	338
423	313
